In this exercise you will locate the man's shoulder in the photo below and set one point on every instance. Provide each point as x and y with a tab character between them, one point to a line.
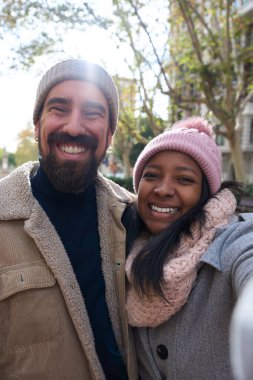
20	172
18	178
114	190
15	192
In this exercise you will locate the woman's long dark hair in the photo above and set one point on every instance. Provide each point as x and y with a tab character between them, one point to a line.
147	267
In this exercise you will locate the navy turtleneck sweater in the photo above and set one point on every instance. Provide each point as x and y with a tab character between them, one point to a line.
74	217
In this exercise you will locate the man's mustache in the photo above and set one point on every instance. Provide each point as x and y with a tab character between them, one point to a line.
89	142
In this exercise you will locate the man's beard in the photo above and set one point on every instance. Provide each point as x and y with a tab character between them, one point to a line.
70	176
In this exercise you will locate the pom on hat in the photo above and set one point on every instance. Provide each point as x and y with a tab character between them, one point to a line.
202	125
193	136
78	69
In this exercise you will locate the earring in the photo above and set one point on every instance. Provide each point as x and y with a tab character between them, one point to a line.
36	139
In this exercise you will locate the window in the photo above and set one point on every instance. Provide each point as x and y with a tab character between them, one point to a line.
220	140
251	133
249	36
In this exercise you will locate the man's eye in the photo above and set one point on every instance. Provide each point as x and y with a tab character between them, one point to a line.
92	114
58	109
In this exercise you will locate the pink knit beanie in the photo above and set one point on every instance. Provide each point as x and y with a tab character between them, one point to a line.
192	136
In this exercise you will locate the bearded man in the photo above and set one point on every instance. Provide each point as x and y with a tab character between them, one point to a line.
62	243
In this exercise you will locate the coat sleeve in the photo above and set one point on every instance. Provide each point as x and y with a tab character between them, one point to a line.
241	328
239	246
241	335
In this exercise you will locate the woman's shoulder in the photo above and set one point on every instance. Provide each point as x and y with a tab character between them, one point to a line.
246	216
240	225
231	241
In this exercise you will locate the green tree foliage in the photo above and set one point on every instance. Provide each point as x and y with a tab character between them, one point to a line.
203	62
134	126
146	133
128	131
27	148
144	66
11	158
126	182
1	155
34	28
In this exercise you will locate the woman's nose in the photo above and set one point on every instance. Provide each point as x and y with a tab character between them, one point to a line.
164	189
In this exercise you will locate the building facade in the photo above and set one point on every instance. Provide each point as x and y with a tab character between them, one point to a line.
245	11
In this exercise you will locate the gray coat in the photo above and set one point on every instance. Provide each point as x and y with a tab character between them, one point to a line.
194	343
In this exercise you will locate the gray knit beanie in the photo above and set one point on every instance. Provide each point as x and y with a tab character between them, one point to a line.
81	70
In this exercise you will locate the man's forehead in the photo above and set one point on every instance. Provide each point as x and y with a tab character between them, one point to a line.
77	89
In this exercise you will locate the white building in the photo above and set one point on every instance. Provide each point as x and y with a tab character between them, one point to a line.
246	120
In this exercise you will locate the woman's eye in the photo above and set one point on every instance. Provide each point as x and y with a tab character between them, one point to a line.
150	175
185	180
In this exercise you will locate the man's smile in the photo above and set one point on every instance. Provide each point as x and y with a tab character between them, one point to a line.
72	149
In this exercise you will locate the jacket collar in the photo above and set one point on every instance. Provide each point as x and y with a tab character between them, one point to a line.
212	256
17	201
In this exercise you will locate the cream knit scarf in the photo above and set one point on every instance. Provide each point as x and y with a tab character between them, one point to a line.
181	270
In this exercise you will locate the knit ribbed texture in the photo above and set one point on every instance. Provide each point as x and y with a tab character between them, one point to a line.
181	270
192	136
77	69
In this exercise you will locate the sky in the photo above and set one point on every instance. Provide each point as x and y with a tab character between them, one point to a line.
16	102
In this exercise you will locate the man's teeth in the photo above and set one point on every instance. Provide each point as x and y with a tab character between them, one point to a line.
164	209
72	149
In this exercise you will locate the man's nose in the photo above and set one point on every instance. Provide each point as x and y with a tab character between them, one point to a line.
74	124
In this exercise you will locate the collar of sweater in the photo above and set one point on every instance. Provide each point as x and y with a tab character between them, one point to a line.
42	188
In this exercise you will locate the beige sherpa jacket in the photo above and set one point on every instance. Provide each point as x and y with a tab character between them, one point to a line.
45	332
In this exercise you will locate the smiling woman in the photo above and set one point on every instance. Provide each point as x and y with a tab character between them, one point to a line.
167	189
189	256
